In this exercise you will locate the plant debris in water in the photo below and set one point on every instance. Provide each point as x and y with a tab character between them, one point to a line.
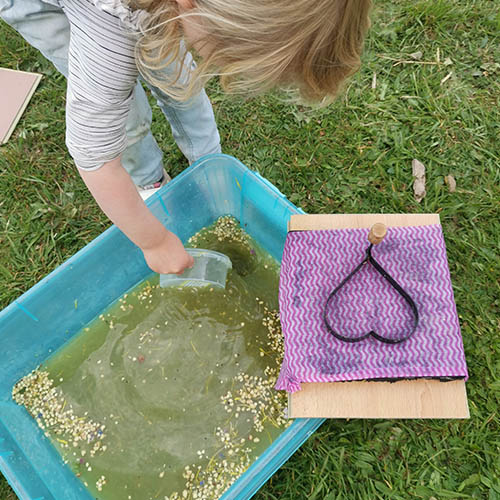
141	364
226	236
252	398
49	408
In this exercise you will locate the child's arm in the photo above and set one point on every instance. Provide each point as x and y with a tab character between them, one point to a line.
116	194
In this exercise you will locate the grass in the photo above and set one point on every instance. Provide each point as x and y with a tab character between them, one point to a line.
354	156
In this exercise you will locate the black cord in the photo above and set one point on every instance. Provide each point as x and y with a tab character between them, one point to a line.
370	259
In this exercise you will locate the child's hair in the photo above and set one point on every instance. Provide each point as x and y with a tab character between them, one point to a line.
254	45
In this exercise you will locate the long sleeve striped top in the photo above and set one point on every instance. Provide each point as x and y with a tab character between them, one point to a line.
102	74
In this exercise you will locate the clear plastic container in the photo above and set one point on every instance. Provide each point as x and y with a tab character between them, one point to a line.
210	269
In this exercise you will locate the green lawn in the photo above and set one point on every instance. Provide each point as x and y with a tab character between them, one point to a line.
354	156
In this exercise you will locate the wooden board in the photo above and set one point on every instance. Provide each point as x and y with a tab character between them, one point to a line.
419	398
402	399
16	90
348	221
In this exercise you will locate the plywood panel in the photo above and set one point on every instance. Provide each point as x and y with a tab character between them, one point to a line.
402	399
16	90
302	222
368	399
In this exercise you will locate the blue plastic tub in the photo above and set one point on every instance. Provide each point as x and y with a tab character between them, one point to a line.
59	306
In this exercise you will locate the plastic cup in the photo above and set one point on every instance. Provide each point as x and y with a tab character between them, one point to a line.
210	269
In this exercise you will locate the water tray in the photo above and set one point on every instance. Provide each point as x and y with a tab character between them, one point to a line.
59	306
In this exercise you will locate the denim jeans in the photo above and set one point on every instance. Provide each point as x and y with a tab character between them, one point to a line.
46	28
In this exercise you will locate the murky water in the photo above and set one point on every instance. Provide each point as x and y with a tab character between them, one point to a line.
175	378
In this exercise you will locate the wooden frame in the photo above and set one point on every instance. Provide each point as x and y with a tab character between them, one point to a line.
420	398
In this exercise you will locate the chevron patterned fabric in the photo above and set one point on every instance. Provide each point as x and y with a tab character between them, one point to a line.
315	262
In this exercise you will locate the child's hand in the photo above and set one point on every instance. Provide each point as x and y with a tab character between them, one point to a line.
168	256
117	195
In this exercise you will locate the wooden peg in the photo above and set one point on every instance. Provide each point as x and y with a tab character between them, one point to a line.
377	233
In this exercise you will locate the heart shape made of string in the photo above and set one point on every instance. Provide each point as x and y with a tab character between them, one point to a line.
370	260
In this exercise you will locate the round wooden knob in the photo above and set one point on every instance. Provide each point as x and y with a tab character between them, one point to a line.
377	233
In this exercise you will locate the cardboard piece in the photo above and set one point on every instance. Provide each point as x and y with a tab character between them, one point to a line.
420	398
16	90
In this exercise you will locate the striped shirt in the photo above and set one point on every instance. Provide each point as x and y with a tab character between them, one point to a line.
102	74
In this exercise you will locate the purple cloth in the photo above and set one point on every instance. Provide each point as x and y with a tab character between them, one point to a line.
315	262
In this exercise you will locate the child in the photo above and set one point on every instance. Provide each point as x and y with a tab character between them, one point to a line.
104	46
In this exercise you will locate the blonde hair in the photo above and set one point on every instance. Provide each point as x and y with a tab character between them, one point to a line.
255	45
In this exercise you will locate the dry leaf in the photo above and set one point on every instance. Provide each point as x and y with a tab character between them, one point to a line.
419	189
418	170
451	183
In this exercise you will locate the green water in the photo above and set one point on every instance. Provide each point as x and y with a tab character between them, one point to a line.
153	369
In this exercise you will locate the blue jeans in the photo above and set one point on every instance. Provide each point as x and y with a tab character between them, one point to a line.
46	28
